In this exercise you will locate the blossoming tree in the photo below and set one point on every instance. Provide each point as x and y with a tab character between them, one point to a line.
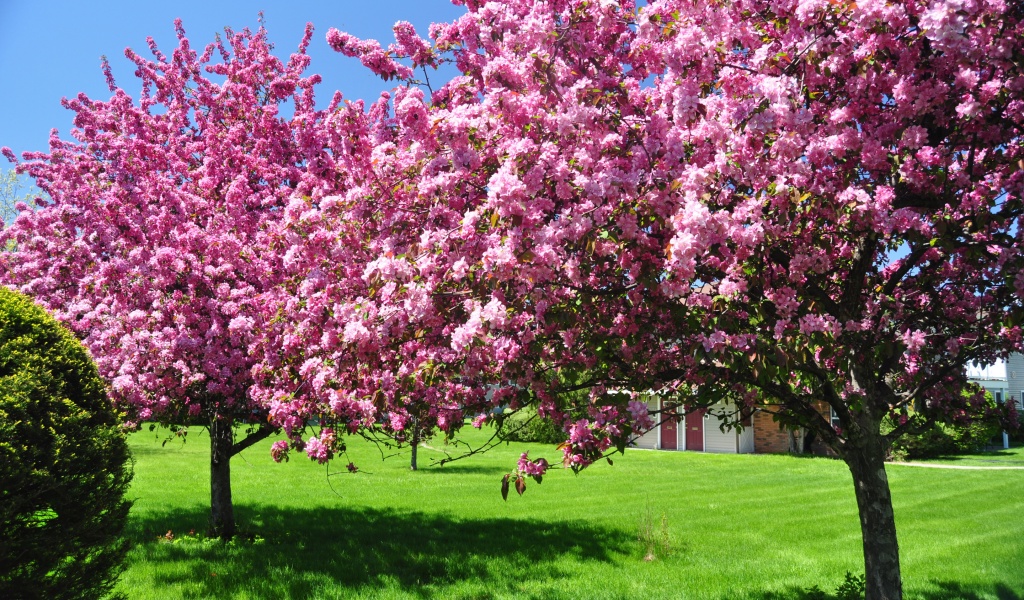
153	247
359	343
803	208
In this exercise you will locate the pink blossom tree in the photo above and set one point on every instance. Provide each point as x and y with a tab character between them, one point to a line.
790	206
153	246
332	356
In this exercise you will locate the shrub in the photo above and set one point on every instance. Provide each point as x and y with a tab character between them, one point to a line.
932	442
943	439
519	427
64	463
852	588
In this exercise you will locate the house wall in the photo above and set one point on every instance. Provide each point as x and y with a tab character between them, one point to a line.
746	440
997	388
772	438
769	436
716	440
763	436
649	440
1015	377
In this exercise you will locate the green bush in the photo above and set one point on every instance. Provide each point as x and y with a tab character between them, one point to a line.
943	439
520	427
64	463
852	588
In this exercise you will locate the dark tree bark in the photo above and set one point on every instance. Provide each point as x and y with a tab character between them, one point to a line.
222	448
222	511
877	520
796	441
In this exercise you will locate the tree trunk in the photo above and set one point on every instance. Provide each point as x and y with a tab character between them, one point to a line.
415	443
222	511
877	521
796	441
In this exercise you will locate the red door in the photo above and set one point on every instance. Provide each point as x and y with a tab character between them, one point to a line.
669	427
695	430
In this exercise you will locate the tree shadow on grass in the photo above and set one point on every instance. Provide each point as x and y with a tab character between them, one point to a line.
936	590
300	553
989	457
449	469
951	590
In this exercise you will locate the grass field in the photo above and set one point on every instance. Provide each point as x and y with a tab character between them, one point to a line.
723	527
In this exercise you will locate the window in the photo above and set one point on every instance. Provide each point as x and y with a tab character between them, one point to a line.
998	396
834	418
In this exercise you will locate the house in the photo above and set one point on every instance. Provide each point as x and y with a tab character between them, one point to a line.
1004	380
1015	379
700	431
994	378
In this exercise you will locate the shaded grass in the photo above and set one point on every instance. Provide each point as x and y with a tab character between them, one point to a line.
752	526
362	549
1013	456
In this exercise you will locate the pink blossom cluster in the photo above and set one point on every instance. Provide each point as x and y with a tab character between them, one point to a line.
321	448
279	450
532	468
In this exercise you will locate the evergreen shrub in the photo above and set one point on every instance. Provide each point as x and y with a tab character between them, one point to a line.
64	463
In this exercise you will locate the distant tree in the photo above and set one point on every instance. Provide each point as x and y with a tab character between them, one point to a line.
806	208
323	359
64	463
11	193
153	247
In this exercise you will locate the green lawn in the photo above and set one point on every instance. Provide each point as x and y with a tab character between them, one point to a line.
751	526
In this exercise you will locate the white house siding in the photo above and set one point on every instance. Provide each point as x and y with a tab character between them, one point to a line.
716	440
746	440
997	387
1015	377
649	440
993	378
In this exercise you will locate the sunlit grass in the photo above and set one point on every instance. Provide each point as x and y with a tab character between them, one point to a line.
750	526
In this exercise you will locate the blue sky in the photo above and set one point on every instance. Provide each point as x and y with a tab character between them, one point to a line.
49	50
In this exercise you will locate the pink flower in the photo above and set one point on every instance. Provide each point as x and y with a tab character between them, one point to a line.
531	467
914	340
279	450
317	451
641	417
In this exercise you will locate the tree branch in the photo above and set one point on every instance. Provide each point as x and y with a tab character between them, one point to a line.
255	437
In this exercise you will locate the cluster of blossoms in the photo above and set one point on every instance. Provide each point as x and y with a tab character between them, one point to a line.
533	468
524	468
279	450
321	448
